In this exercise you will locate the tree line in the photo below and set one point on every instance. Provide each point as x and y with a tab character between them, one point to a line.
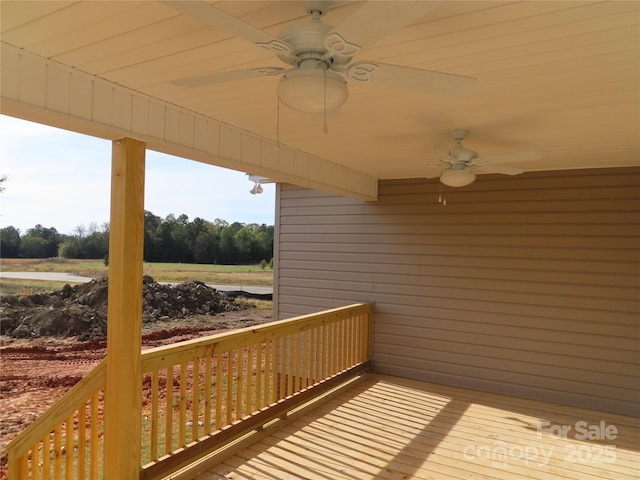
169	239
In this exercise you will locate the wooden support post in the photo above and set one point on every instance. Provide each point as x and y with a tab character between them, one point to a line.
123	393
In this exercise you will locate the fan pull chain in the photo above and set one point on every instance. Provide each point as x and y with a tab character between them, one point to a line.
441	199
325	128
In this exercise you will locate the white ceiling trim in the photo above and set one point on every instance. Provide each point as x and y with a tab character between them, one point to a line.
38	89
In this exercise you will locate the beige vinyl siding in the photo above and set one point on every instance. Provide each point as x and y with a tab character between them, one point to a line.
525	285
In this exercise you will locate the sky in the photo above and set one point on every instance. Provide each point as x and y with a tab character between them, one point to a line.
61	179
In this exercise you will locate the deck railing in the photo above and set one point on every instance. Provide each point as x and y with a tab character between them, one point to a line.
200	394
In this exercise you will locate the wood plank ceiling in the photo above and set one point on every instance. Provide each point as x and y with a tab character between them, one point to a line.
558	78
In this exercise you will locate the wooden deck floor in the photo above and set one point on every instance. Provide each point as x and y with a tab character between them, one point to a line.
392	428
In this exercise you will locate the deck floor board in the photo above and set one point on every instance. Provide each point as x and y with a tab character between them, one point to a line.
399	429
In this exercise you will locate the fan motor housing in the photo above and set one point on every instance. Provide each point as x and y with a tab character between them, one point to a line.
463	154
307	38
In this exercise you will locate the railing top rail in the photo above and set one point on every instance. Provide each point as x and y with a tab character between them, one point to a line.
81	391
227	340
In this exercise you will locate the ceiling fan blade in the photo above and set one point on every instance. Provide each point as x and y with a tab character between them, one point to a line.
500	169
223	77
376	20
221	19
409	78
512	157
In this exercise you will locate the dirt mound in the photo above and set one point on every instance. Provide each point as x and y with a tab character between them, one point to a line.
82	310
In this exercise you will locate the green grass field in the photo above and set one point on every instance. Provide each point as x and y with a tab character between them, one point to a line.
242	275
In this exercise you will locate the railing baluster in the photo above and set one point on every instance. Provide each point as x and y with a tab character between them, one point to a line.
310	357
269	372
361	337
195	401
298	362
182	399
82	440
248	380
273	371
46	457
155	387
229	386
340	325
57	452
281	365
207	394
24	465
260	377
343	344
218	403
317	365
338	349
238	383
332	349
359	326
307	358
259	351
291	360
168	431
364	339
344	323
95	410
265	361
348	342
329	336
358	334
68	448
246	377
35	462
324	329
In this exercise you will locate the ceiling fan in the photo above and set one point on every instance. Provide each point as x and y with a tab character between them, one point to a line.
459	167
319	55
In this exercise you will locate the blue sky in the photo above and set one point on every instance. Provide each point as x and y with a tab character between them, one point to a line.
61	179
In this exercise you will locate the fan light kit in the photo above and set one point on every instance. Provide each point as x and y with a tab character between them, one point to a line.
457	178
459	167
319	55
312	90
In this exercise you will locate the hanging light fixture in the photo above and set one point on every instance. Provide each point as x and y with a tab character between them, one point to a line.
453	177
312	90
